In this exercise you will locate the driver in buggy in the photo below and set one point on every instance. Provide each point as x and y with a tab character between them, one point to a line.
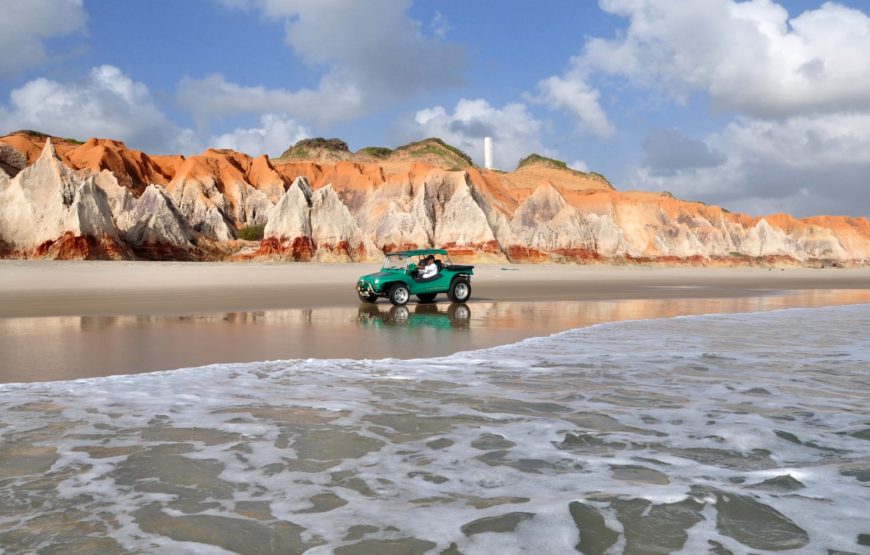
430	268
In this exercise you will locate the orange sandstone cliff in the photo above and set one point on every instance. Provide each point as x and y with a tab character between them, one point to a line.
319	201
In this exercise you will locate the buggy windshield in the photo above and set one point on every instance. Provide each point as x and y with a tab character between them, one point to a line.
395	262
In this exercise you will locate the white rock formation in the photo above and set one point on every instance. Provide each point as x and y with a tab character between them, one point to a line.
291	216
766	240
121	200
822	243
308	224
152	219
204	206
391	220
47	201
334	230
156	221
547	223
462	221
248	205
442	208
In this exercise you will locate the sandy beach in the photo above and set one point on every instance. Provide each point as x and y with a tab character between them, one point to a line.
69	320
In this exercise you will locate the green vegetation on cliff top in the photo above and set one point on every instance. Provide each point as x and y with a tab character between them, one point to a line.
375	151
452	157
305	147
40	134
436	147
535	159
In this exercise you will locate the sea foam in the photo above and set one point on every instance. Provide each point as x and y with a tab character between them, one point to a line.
734	433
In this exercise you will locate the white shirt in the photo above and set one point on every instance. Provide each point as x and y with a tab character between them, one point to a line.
429	271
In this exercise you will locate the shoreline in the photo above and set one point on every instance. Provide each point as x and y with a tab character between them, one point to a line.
62	348
72	320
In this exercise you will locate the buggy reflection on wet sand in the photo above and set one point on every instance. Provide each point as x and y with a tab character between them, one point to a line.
457	315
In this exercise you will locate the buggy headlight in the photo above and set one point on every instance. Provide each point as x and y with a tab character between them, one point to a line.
376	281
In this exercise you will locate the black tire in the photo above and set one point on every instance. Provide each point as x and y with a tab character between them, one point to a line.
427	297
460	290
399	294
370	299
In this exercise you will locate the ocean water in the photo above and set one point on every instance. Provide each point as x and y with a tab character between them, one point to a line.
743	433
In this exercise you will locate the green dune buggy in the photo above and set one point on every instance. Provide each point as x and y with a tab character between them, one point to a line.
399	279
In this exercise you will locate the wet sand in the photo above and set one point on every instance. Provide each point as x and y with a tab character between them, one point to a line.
61	321
38	288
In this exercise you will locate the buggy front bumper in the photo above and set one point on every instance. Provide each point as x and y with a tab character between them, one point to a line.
365	289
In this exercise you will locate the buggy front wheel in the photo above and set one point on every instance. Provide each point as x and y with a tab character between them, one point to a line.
460	291
399	294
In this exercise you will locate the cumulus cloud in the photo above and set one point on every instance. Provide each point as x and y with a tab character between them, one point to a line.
514	131
669	150
25	26
805	165
372	54
798	86
572	94
214	96
275	134
748	56
107	103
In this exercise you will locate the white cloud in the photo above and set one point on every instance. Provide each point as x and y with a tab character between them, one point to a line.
804	164
579	165
107	103
24	27
215	97
669	150
572	94
372	54
373	43
515	132
798	86
440	26
805	141
748	56
275	135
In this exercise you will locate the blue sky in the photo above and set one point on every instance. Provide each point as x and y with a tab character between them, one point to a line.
757	105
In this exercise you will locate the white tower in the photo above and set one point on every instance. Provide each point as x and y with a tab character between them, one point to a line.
487	153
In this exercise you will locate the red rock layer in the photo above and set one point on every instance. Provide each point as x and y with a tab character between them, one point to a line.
299	249
70	247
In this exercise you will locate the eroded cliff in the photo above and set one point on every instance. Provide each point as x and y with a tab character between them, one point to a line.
321	202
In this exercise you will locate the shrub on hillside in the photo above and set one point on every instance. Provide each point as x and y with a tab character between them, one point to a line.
252	233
